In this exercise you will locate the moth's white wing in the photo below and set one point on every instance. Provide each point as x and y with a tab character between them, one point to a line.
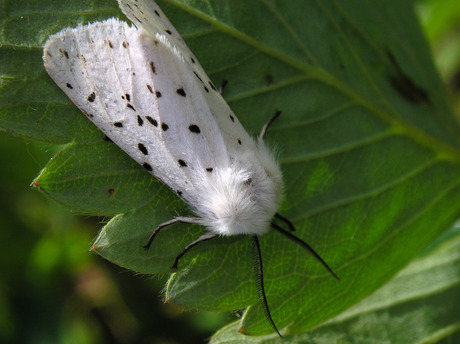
150	17
147	98
152	98
105	71
147	14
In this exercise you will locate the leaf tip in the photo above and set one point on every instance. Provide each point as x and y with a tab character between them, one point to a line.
36	184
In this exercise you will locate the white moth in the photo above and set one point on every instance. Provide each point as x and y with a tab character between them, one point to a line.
147	92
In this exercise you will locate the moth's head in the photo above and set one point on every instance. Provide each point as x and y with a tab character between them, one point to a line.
240	199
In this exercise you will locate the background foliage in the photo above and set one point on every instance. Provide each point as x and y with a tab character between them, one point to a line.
53	290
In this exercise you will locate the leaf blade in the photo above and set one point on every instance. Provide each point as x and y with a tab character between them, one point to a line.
366	139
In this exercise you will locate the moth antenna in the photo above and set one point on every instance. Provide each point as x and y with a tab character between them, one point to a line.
259	273
169	223
304	245
204	237
270	121
286	221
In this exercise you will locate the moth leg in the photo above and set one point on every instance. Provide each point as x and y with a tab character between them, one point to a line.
204	237
304	245
222	86
270	121
259	272
286	221
169	223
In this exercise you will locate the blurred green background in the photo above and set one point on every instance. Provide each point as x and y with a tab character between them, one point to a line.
53	290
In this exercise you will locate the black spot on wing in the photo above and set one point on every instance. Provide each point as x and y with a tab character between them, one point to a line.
130	106
209	169
64	52
152	121
91	97
194	129
232	118
152	67
164	126
118	124
182	163
158	94
212	86
198	77
89	115
140	121
69	86
143	149
181	92
150	88
147	167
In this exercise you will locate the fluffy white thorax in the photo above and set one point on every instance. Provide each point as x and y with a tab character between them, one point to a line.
243	197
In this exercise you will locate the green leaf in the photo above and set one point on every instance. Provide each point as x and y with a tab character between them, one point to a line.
85	177
368	145
420	305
